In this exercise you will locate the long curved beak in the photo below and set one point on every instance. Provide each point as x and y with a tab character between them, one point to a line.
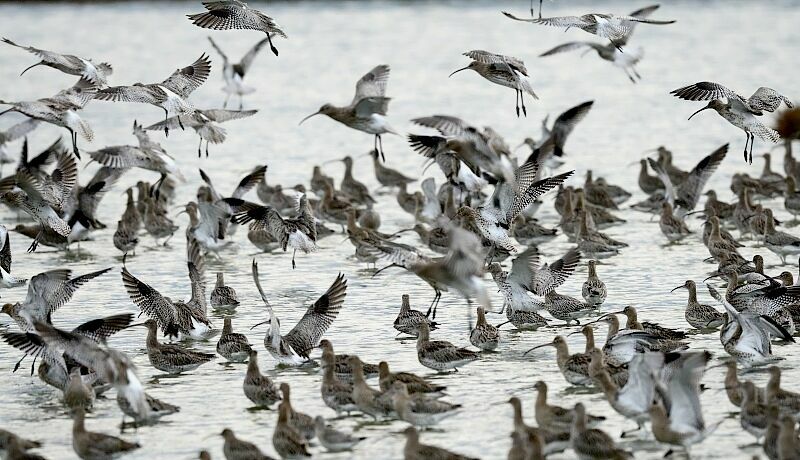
29	68
306	118
134	325
384	268
457	71
258	324
402	231
574	333
678	287
704	108
548	344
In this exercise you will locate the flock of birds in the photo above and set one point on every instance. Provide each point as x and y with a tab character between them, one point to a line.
648	373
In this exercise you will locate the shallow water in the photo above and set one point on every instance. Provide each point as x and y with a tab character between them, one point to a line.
741	44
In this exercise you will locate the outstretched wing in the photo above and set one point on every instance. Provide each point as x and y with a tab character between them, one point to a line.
223	115
557	21
318	318
372	84
150	302
247	59
569	46
548	278
101	329
689	191
767	99
488	57
184	81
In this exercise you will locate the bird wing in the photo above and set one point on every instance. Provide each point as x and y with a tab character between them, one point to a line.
427	146
184	81
547	278
569	46
641	13
5	250
565	123
533	192
82	349
369	105
247	59
219	51
18	130
524	266
706	91
214	194
767	99
56	294
197	270
463	258
487	57
42	287
124	156
50	57
249	181
135	93
557	21
669	189
175	122
101	329
689	191
150	301
685	412
223	115
372	84
446	124
318	318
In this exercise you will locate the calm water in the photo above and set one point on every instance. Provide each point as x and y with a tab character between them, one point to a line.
741	44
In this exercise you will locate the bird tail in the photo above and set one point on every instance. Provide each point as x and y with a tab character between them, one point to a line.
765	133
105	68
212	133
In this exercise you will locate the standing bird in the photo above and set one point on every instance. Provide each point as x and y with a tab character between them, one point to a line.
234	73
484	335
222	295
738	111
170	95
69	64
293	348
591	443
594	289
234	14
502	70
614	28
90	445
238	449
367	111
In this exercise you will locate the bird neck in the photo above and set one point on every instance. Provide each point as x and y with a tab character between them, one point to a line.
252	368
541	398
227	327
592	271
220	280
589	340
613	328
773	386
405	306
152	339
562	353
692	293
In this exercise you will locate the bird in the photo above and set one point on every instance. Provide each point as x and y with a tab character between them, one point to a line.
737	110
626	61
170	357
299	232
232	345
222	295
698	315
502	70
90	445
13	133
367	111
293	348
332	439
235	14
556	418
239	449
592	443
234	72
441	355
408	319
205	123
609	26
170	95
69	64
420	411
484	335
414	450
412	382
174	317
286	440
594	289
259	388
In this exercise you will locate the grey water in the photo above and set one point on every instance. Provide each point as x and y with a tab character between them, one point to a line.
743	45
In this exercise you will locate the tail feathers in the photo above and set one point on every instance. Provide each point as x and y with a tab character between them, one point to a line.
212	133
105	68
766	134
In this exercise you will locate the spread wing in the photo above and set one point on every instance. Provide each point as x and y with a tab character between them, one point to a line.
318	318
223	115
557	21
487	57
372	84
150	302
102	328
135	93
184	81
247	60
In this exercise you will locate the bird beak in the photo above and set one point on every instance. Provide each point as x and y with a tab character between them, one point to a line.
258	324
548	344
573	333
306	118
134	325
678	287
704	108
456	71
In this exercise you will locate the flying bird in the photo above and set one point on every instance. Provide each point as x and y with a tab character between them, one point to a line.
502	70
233	14
69	64
738	111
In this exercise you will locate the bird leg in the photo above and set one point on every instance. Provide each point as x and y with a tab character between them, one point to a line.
746	141
293	254
540	9
271	46
35	243
241	102
752	141
180	123
522	100
206	149
516	101
166	119
198	147
225	104
380	144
